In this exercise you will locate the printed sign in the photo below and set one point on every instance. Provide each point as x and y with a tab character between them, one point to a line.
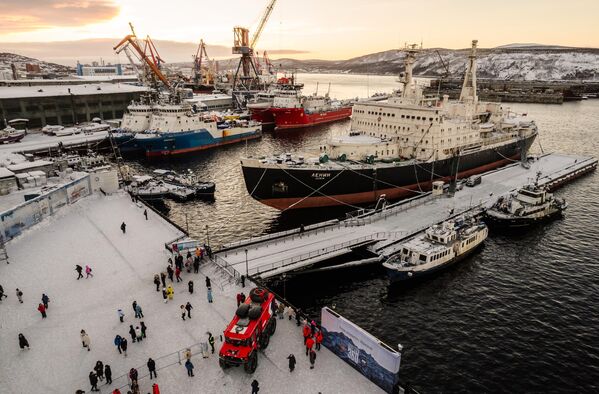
371	357
184	245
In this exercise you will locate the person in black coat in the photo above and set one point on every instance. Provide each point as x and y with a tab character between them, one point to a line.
123	227
143	329
108	374
23	342
196	264
132	333
99	368
188	308
163	279
292	362
255	387
208	284
170	272
93	380
151	367
124	346
79	270
190	286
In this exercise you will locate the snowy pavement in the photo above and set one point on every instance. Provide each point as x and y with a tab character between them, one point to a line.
39	141
42	260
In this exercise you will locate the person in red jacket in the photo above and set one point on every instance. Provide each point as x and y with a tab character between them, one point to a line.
42	310
318	338
178	274
307	332
155	389
309	344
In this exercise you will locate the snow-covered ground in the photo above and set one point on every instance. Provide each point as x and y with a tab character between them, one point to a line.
38	141
43	259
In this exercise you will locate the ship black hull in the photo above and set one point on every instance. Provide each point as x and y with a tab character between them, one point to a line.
293	188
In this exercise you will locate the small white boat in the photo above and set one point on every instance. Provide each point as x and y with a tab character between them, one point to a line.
67	131
51	129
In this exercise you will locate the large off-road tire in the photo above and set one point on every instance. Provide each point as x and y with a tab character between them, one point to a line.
254	312
264	340
223	364
258	294
242	311
272	325
252	363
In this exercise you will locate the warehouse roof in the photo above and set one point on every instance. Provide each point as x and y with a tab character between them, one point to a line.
12	92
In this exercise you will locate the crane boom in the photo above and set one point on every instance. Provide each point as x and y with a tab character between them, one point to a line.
153	62
262	23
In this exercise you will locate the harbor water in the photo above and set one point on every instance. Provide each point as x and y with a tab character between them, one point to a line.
518	316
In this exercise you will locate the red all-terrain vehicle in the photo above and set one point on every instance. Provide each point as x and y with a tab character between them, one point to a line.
249	331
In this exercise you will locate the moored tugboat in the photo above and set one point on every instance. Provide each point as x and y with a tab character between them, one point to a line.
529	205
441	246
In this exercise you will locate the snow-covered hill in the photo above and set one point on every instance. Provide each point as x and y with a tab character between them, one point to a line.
514	62
6	59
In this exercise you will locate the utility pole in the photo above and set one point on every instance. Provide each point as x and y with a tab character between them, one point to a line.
246	263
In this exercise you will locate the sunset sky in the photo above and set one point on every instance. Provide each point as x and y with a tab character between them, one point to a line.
324	29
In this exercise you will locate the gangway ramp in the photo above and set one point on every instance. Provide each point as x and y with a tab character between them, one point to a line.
382	232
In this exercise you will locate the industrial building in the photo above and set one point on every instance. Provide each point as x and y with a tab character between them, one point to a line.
66	104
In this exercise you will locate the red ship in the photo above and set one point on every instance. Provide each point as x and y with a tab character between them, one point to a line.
289	118
261	105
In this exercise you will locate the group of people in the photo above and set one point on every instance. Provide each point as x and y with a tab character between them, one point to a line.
312	336
98	373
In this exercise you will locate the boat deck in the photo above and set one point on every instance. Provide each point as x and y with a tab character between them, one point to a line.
381	232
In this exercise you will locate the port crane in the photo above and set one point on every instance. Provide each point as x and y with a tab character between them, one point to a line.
197	65
145	53
242	45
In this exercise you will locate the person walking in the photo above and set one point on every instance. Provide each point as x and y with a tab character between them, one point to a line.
23	343
298	316
133	375
2	293
155	389
85	341
239	299
189	367
170	292
196	265
134	307
138	312
292	362
183	312
164	295
42	310
306	331
178	274
190	286
209	294
146	213
281	311
208	283
211	341
313	327
124	346
88	272
163	279
123	227
121	314
143	329
93	380
79	270
255	387
151	367
19	296
138	334
99	369
312	358
118	340
157	282
45	300
108	374
170	272
188	308
309	345
132	333
187	354
319	338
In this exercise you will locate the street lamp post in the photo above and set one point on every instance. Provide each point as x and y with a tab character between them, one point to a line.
246	263
207	236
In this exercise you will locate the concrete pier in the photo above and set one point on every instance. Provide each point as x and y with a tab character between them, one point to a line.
382	231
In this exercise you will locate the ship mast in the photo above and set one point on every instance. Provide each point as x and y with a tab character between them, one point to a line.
468	93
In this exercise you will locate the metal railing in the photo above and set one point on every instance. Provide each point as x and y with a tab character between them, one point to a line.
319	252
277	235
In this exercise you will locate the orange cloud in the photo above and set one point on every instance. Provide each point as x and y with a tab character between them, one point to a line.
20	16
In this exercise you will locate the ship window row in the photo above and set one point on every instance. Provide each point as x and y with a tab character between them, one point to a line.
439	255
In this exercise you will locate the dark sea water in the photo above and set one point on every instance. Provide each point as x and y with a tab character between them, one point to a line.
519	316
